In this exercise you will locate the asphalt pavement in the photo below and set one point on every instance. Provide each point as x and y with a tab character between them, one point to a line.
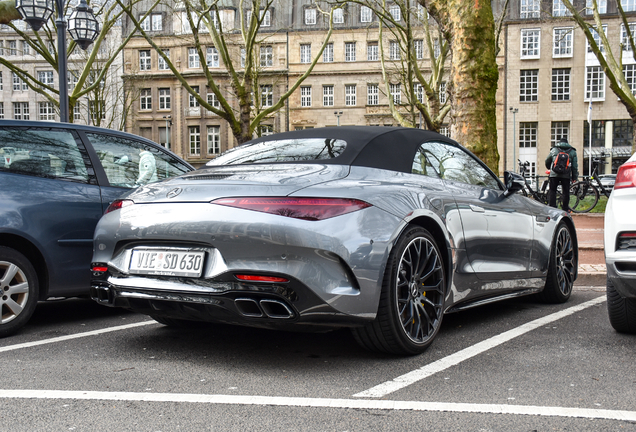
589	231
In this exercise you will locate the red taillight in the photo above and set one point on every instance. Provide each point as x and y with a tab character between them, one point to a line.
626	176
256	278
299	208
118	204
100	269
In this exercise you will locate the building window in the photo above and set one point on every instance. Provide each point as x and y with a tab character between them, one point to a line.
144	60
157	22
396	93
77	111
418	91
1	86
305	96
559	130
418	47
195	140
213	100
366	15
528	134
530	9
602	7
21	110
268	130
559	9
598	134
442	92
193	102
327	54
350	51
2	45
595	83
529	85
373	94
243	54
628	5
310	16
26	48
1	110
13	48
444	130
530	43
372	51
46	78
394	50
338	16
18	83
164	98
437	49
625	42
630	76
214	140
305	53
212	57
597	39
97	109
266	19
193	58
163	65
561	84
47	112
145	22
562	38
145	99
327	95
350	95
267	56
622	133
267	96
395	12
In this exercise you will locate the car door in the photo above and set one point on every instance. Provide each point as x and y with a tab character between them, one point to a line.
128	163
498	230
50	196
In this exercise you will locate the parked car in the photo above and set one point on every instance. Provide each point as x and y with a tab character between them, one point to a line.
620	249
607	180
56	180
380	229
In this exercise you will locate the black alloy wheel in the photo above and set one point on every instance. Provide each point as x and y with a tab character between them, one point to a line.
18	291
561	268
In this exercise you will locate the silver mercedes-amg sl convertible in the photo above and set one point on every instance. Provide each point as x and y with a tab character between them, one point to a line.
383	230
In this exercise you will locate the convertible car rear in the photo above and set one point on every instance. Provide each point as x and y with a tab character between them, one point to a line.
383	230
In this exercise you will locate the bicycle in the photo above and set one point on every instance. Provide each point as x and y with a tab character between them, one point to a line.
586	192
542	195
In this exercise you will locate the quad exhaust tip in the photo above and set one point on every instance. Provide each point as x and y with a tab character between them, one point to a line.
265	308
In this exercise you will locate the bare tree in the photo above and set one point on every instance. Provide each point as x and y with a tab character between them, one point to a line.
238	50
610	61
91	67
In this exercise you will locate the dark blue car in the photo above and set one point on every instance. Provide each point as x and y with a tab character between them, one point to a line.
56	180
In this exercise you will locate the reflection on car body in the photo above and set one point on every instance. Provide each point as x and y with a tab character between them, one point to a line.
384	232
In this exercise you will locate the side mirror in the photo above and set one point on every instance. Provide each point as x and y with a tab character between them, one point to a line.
514	182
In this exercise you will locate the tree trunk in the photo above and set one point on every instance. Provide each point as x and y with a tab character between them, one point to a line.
469	26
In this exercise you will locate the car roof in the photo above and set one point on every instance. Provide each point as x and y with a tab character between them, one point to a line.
381	147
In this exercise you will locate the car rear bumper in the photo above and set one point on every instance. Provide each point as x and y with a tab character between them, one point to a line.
622	273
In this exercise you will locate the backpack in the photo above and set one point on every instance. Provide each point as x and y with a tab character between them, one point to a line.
561	163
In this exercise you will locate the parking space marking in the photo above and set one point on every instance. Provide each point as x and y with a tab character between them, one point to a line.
470	352
75	336
323	403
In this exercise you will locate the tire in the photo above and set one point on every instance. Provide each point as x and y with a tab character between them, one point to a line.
561	267
19	290
586	196
621	310
411	302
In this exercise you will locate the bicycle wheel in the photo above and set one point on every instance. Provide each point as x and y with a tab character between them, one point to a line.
586	197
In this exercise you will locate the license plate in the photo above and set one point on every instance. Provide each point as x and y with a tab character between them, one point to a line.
166	262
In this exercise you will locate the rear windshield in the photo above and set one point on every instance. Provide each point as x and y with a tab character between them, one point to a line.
289	150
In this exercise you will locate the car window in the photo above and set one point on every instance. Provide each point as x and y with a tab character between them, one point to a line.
288	150
130	163
422	164
455	163
45	152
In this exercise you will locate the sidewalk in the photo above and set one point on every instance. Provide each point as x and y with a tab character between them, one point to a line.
589	231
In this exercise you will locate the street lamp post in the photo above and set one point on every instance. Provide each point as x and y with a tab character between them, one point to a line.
514	111
83	27
338	114
168	124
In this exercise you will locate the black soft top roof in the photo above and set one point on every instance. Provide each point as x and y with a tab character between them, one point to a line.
391	148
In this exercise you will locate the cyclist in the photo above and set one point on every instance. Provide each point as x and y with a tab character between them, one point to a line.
562	172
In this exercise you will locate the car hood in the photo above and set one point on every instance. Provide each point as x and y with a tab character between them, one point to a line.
210	183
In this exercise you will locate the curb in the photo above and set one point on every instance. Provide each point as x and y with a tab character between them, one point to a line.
591	279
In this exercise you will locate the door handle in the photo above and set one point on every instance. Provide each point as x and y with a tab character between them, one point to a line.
477	209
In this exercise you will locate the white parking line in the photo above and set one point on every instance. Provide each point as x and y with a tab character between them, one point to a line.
323	403
467	353
75	336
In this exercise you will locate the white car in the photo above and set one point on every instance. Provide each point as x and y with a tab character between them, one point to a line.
620	249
